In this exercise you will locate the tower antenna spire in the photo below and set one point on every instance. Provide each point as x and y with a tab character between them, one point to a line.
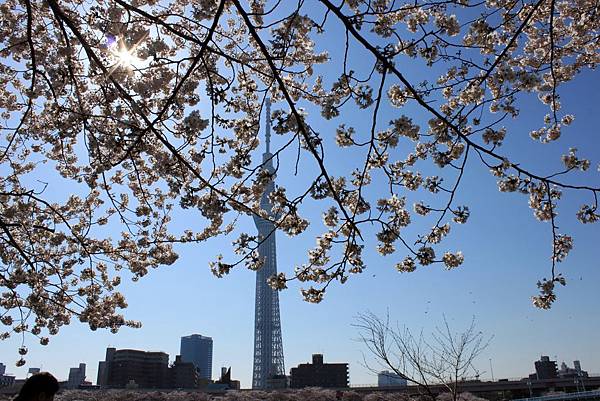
268	345
268	125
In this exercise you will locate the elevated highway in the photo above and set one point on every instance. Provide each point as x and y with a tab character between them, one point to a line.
523	389
582	395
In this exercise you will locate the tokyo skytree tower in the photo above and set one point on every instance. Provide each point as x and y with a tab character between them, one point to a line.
268	346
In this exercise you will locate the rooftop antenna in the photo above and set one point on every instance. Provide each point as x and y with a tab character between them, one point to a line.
268	125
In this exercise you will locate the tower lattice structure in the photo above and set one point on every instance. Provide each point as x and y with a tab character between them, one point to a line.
268	346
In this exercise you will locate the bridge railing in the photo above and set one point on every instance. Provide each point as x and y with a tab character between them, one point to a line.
565	396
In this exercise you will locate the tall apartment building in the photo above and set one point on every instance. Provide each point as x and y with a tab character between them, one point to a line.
125	366
76	376
198	350
544	369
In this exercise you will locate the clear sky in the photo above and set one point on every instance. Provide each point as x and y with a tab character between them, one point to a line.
506	251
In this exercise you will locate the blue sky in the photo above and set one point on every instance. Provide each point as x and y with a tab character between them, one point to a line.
506	251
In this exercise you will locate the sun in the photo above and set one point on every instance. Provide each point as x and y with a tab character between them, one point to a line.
125	57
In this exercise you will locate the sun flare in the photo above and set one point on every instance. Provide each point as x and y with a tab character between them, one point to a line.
127	57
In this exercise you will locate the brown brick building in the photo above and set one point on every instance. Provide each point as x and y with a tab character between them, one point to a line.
319	374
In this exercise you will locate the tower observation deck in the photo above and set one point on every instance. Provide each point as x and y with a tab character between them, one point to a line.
268	346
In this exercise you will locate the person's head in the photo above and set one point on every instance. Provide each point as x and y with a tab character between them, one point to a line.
39	387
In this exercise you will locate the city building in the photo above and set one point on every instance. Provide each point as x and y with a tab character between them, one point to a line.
76	376
575	371
268	345
319	374
225	382
183	374
126	367
544	369
5	380
198	350
390	379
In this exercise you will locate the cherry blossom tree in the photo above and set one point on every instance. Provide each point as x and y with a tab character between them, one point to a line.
461	397
116	115
308	394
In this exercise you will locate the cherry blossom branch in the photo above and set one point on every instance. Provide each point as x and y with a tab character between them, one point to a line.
300	121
